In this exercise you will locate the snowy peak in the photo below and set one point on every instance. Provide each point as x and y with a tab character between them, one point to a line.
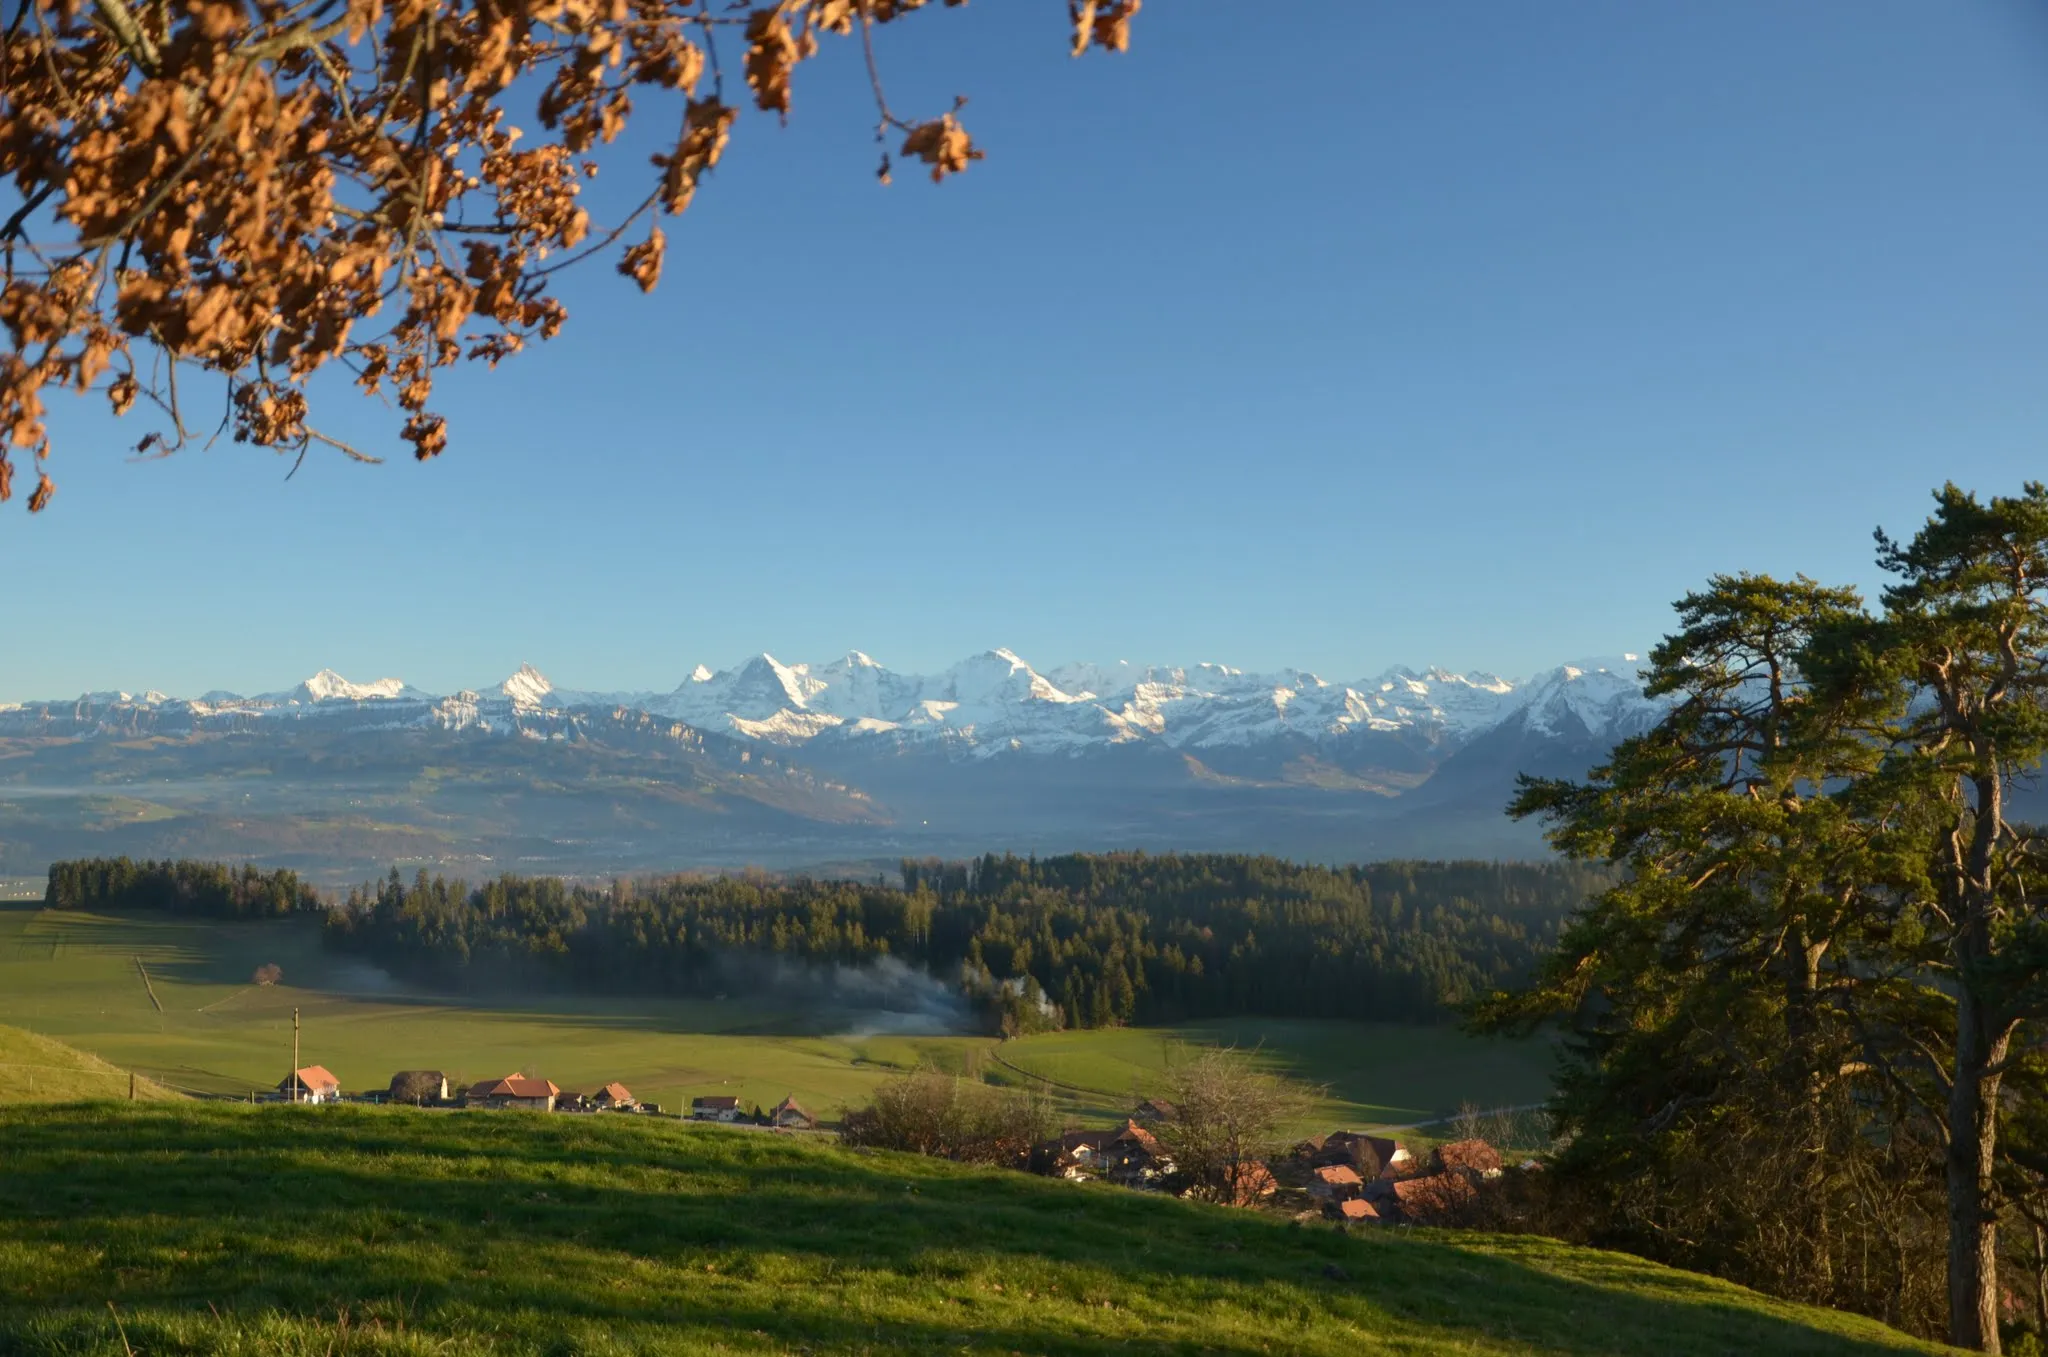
999	676
328	686
527	688
1593	696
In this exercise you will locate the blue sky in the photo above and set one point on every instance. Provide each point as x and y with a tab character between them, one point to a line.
1337	335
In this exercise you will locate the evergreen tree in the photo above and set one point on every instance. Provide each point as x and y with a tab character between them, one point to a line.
1956	671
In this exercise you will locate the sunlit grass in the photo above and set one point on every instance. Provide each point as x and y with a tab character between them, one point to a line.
216	1228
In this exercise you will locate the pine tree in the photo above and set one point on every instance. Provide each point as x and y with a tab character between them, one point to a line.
1957	672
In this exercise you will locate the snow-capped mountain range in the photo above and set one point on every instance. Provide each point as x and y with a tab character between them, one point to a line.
986	706
770	763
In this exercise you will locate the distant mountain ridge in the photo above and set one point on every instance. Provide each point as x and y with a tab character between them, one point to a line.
988	704
790	764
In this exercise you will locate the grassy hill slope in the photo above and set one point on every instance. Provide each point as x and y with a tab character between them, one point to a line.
216	1228
36	1069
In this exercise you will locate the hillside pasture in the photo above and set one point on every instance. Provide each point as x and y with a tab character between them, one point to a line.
339	1231
37	1069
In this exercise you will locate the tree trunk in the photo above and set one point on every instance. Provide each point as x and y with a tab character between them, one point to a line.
1972	1141
2040	1281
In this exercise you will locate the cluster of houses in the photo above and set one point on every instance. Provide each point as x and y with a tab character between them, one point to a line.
517	1091
1372	1180
1346	1176
1129	1155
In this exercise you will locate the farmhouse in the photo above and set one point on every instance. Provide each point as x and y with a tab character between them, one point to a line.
515	1091
312	1084
1068	1156
1430	1198
1440	1193
614	1097
1370	1156
1351	1209
790	1116
1133	1157
1470	1158
1335	1182
716	1107
1153	1111
1250	1182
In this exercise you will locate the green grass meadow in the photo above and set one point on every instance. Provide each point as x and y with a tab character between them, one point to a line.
73	976
165	1229
37	1069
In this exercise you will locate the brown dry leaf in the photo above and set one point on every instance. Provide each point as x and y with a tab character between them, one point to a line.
772	53
642	262
1112	28
1081	13
942	144
45	487
428	435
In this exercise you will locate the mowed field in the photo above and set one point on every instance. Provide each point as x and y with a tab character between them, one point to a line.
208	1028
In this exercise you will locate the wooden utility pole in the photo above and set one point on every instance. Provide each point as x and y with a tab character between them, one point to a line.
295	1055
131	1086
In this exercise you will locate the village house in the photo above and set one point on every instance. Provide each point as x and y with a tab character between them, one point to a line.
1471	1158
1352	1210
1133	1157
1071	1155
1371	1156
313	1084
716	1107
1153	1111
1430	1198
515	1091
1335	1182
1444	1187
1251	1183
614	1097
790	1116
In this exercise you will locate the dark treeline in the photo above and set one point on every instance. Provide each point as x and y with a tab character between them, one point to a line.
206	888
1080	940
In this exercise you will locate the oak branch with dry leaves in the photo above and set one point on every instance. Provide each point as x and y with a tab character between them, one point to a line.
247	191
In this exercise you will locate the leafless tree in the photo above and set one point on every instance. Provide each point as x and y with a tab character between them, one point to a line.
1229	1114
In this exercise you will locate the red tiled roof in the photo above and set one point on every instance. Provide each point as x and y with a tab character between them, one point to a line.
790	1104
1358	1208
1468	1156
1338	1175
1252	1181
618	1093
1138	1135
313	1078
1432	1195
517	1086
